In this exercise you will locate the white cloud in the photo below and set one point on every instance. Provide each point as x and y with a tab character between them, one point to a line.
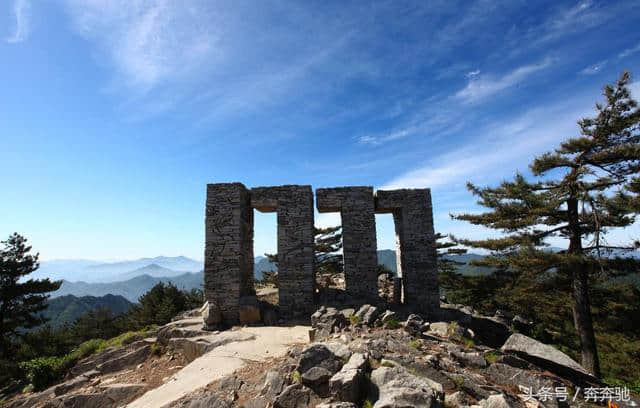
395	135
22	13
485	86
594	69
472	74
629	51
148	41
509	147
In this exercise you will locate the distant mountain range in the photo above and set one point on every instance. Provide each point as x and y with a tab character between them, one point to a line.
131	279
66	309
92	271
130	289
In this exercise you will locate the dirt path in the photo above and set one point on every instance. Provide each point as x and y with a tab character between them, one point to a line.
224	360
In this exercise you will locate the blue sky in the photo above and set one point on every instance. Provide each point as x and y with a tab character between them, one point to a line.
115	114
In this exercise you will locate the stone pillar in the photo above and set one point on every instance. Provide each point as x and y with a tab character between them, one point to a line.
416	248
228	255
357	210
296	275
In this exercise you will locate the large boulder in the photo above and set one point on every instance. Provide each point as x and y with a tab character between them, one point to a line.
317	378
399	388
326	319
513	377
367	315
319	355
294	396
546	356
348	384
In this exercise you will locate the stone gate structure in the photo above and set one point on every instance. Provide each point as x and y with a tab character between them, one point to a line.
228	270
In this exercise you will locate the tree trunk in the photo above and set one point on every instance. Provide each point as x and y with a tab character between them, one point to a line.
581	305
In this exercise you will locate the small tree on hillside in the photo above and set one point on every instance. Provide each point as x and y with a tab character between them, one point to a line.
20	301
327	246
159	305
592	187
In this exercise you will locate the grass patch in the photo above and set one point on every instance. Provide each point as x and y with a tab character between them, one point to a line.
354	319
367	404
44	371
415	343
491	357
392	324
296	377
387	364
458	381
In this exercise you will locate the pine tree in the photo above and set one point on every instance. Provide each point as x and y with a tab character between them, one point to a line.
327	246
591	187
20	301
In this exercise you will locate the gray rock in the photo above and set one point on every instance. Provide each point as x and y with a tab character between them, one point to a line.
457	399
129	359
414	325
387	316
273	384
495	401
326	319
318	355
440	329
294	396
348	383
503	374
399	388
469	359
317	378
208	401
545	356
367	314
337	405
67	386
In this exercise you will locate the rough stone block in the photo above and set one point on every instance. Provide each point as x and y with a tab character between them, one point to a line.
296	279
415	245
357	210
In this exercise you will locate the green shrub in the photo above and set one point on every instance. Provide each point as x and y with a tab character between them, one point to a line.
156	349
44	371
415	343
296	377
367	404
392	324
491	357
354	319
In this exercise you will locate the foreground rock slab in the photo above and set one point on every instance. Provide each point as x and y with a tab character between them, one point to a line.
264	342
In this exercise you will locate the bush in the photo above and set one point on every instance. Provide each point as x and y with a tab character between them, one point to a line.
44	371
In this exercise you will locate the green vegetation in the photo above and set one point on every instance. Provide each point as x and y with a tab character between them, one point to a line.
392	324
354	319
590	187
491	357
296	377
32	353
415	343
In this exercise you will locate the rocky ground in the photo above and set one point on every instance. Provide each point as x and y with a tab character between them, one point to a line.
365	357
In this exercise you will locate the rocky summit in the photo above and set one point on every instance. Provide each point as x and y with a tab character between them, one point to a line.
347	358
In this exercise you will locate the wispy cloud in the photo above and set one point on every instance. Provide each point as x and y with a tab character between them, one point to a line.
594	69
395	135
629	51
148	41
484	86
509	147
22	13
472	74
